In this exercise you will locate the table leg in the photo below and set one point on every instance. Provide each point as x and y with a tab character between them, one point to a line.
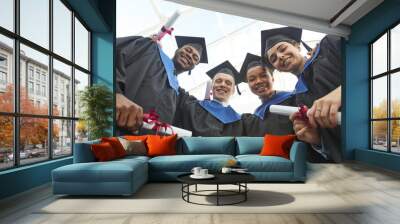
217	194
196	188
245	191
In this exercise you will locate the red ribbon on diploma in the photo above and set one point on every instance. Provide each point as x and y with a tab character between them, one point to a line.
303	113
152	118
164	31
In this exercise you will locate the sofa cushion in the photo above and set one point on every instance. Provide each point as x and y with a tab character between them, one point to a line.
257	163
128	159
103	152
208	145
135	147
185	163
116	145
277	145
83	153
161	145
249	145
136	137
111	171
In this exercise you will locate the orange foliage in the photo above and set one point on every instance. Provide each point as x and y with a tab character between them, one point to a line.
33	130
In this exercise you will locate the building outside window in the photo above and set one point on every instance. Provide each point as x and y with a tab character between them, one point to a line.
43	90
43	78
3	72
37	75
30	72
30	87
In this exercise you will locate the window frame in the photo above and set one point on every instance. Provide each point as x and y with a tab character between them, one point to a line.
388	74
16	115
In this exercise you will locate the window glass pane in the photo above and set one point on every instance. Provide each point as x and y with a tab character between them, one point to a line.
395	47
62	29
81	45
62	89
7	14
395	135
34	81
379	55
62	138
81	131
6	74
379	97
33	139
395	94
35	21
6	142
379	135
81	81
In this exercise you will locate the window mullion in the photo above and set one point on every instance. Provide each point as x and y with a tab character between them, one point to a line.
50	81
16	83
389	101
73	83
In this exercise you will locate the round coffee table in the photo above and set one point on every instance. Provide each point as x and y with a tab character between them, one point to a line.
238	179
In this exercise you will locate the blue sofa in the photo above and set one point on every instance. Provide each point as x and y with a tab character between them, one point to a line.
125	176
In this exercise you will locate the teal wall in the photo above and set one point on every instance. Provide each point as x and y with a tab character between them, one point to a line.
99	16
24	178
356	100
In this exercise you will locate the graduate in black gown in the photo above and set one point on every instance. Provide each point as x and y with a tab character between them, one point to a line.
212	117
318	86
146	78
261	83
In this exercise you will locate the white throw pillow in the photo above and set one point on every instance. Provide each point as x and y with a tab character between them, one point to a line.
136	147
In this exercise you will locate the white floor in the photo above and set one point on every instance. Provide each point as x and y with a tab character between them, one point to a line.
379	190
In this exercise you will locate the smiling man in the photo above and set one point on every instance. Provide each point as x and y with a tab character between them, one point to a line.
212	117
147	78
261	83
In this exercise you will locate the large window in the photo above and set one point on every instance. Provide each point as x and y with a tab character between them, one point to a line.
44	64
385	94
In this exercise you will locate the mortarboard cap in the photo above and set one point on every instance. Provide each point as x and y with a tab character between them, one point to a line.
227	68
199	43
250	61
273	36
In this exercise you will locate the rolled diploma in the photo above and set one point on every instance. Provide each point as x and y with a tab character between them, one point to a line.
179	131
288	110
170	21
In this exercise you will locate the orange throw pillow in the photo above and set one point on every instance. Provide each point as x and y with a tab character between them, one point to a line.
103	152
161	145
136	137
277	145
116	145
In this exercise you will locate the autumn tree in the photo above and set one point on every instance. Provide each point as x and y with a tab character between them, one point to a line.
33	131
380	127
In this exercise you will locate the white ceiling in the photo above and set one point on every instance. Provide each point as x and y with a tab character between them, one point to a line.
316	15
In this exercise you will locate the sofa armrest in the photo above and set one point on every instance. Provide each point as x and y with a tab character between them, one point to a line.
298	155
83	152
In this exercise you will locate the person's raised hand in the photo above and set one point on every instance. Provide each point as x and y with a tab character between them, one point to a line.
304	131
324	111
129	114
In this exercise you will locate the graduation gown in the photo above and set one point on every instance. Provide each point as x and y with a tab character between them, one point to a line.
142	77
274	124
191	115
320	78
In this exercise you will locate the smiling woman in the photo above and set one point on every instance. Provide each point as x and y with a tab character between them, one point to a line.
318	86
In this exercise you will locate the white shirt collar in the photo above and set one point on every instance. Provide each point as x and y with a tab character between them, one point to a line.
224	104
